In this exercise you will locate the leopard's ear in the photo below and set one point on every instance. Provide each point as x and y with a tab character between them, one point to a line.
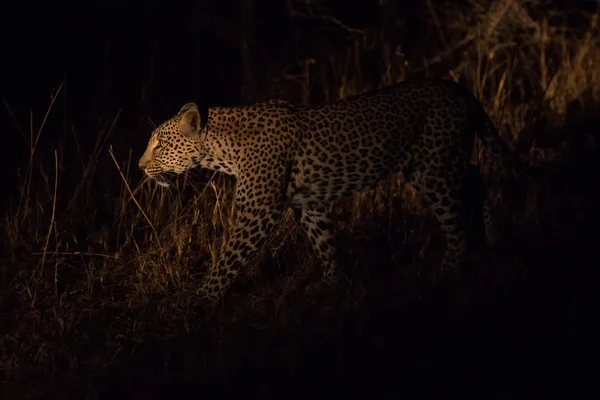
190	120
188	106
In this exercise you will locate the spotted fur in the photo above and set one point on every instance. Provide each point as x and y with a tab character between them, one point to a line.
284	156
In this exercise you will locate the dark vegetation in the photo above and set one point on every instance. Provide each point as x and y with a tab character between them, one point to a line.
99	268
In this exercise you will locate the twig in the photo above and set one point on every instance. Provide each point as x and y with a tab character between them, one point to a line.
162	252
53	212
33	146
436	22
446	53
325	18
78	253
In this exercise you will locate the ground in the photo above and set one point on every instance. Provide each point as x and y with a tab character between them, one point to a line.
521	316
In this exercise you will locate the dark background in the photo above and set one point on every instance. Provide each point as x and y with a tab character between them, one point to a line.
148	59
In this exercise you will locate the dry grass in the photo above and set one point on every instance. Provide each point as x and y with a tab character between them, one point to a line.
100	268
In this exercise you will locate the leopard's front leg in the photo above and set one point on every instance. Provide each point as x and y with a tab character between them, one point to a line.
259	207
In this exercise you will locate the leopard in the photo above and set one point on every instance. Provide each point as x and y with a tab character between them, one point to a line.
306	157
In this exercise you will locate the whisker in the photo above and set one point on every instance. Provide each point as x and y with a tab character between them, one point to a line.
149	121
193	174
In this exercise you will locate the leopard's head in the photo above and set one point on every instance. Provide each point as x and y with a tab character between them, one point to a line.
175	146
